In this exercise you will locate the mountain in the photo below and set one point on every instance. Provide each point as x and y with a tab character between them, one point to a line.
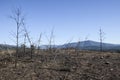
91	45
83	45
6	46
86	45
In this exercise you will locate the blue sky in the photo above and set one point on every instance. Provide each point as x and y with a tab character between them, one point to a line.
71	19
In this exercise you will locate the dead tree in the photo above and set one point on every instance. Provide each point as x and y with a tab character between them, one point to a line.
18	17
30	42
101	37
24	47
50	40
68	46
39	41
32	51
77	48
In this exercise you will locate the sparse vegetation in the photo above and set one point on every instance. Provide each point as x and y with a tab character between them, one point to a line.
88	65
18	17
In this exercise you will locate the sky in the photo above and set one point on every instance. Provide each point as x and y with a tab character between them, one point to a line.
70	20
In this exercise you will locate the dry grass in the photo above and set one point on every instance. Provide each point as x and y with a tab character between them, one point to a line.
62	65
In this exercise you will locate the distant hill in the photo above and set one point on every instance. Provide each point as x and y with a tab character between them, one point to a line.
6	46
83	45
91	45
86	45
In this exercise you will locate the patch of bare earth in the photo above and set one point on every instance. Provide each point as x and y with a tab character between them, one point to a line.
62	65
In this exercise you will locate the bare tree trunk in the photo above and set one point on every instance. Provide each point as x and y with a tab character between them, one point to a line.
77	48
32	51
101	33
17	42
24	46
39	41
19	19
31	44
50	40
